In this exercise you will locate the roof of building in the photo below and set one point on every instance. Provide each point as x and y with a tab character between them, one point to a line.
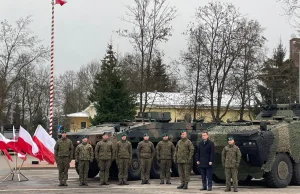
78	114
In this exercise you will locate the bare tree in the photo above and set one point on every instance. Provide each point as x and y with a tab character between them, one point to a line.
19	48
151	21
248	65
292	10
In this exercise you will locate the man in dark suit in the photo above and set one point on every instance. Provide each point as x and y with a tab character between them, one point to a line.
206	151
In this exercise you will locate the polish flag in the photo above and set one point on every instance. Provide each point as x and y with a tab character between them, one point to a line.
22	156
61	2
45	144
9	144
26	144
6	154
3	146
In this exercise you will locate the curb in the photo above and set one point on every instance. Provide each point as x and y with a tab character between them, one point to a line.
42	168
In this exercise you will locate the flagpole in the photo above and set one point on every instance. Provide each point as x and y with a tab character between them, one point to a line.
51	72
11	170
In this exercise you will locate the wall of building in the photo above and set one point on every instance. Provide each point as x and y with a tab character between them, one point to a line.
75	123
176	114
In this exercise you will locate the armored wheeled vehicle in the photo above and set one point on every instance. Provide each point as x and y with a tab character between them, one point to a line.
270	146
153	123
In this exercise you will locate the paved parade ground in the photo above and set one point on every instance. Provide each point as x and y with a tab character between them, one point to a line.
44	180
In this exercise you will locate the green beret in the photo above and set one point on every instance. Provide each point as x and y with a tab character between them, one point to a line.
146	135
85	136
63	131
124	135
182	131
165	135
230	138
105	133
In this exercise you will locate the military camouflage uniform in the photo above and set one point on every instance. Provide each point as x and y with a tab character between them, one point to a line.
123	159
231	157
63	152
164	154
104	155
83	154
183	157
145	151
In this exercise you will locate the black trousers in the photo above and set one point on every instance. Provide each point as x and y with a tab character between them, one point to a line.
206	176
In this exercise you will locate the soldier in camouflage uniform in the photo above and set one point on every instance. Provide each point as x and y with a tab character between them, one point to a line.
183	157
164	154
104	154
83	155
123	159
63	152
231	157
145	152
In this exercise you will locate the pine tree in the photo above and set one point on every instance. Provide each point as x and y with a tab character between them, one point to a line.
113	101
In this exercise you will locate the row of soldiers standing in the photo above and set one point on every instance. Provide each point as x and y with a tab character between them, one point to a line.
104	154
165	153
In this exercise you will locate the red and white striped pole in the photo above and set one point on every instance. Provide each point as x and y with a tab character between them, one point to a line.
51	73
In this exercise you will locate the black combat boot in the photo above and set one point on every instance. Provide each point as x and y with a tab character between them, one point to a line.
168	182
162	182
180	186
61	183
65	183
185	186
143	182
125	182
86	184
147	182
203	189
120	182
81	184
235	190
102	183
209	189
105	183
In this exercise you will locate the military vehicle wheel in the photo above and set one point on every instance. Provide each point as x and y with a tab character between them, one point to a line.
155	169
174	169
134	171
296	174
217	180
281	173
196	168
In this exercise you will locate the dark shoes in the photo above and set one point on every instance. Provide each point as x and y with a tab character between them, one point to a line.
147	182
120	182
65	183
102	183
143	182
203	189
209	189
81	184
180	186
125	182
85	184
162	182
235	190
105	183
185	186
61	183
227	190
168	182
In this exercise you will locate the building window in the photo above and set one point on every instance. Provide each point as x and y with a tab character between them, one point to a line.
83	125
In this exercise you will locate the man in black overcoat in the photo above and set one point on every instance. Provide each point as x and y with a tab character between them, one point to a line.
206	152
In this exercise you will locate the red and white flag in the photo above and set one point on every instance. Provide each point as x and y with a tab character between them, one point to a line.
45	144
4	146
61	2
26	144
22	156
9	144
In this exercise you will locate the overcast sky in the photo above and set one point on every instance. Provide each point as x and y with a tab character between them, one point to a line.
84	27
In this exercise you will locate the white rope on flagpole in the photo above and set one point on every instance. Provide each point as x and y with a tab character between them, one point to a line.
51	73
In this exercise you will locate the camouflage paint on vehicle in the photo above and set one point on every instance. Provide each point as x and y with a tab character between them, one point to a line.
269	146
